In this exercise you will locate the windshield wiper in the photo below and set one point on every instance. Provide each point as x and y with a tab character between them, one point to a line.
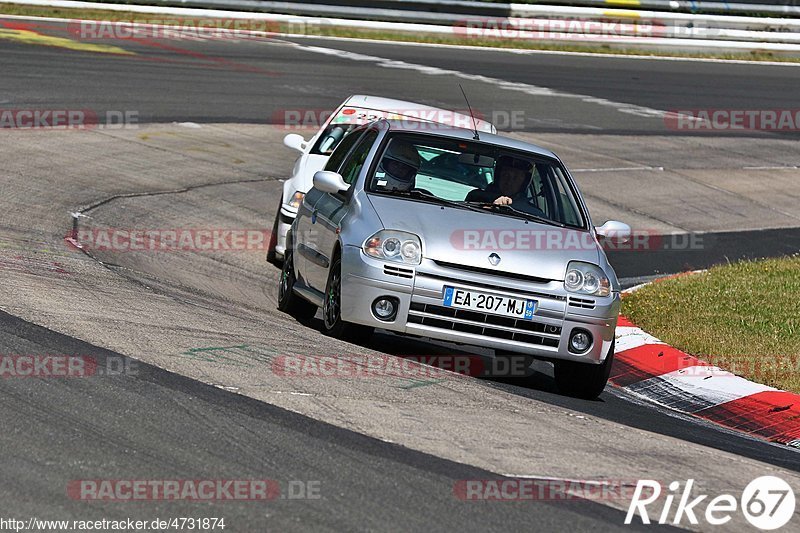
415	193
521	214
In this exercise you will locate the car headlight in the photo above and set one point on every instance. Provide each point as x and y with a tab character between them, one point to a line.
585	278
297	199
397	246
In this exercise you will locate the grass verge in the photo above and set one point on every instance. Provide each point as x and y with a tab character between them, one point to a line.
741	317
355	33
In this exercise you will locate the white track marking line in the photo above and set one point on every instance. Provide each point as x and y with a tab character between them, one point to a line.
617	169
533	90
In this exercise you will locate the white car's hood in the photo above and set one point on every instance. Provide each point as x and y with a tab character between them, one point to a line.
464	237
308	166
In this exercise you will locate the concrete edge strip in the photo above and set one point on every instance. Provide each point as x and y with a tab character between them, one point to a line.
655	371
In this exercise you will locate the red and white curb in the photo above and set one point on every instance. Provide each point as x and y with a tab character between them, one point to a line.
657	372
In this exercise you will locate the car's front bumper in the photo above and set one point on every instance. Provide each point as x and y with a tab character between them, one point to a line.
420	290
285	220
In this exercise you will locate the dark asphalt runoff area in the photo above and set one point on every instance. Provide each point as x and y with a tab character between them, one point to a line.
150	423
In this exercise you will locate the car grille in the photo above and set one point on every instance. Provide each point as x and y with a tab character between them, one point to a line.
491	272
485	324
581	302
391	270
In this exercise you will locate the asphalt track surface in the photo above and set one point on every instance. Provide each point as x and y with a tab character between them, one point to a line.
246	81
156	424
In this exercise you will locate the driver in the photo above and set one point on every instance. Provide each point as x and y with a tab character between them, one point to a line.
510	185
399	166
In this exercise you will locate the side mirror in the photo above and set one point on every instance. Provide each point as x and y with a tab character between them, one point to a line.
327	181
615	232
295	142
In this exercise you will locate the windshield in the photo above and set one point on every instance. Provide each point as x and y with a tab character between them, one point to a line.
473	174
331	138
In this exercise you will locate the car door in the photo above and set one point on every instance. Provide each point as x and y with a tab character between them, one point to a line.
304	230
331	209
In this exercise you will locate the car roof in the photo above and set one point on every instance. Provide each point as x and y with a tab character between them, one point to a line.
413	110
466	134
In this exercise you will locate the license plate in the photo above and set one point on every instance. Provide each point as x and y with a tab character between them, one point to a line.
489	303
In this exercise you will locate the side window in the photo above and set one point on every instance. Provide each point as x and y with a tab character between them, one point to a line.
352	166
341	151
538	191
566	208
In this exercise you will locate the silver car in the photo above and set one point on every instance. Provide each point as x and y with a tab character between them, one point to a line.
460	236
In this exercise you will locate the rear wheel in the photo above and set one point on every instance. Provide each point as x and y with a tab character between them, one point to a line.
288	301
583	380
332	322
273	240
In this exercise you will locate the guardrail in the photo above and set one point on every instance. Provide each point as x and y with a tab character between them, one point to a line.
502	9
617	28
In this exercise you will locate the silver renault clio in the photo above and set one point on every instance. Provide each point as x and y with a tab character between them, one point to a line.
461	236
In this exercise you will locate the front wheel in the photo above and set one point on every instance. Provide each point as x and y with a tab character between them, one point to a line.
288	301
332	322
273	239
583	380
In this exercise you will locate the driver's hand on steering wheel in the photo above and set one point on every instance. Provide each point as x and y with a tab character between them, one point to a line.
503	200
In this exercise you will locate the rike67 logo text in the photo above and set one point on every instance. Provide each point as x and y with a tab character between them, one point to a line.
767	503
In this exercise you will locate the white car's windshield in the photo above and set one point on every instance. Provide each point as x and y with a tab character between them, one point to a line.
424	167
331	137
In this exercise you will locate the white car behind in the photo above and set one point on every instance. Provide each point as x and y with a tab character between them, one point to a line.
314	153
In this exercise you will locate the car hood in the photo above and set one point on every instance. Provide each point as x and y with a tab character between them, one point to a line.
309	166
468	238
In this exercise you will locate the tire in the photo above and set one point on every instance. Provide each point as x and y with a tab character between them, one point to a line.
332	323
288	301
273	240
583	380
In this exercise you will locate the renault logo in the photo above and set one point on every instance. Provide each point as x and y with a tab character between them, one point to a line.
494	259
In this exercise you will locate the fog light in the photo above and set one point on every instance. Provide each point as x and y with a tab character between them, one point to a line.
580	341
385	308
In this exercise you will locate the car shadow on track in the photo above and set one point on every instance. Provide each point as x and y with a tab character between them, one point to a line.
506	372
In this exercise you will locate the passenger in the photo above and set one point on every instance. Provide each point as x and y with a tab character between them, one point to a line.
399	166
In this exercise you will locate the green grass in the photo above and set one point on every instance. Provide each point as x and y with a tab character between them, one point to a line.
741	317
329	31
